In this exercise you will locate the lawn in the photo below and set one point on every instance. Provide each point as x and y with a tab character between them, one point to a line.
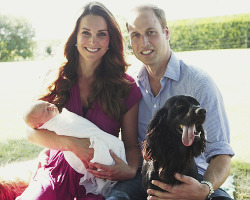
21	81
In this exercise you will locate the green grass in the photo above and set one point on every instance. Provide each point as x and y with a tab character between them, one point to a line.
241	171
16	150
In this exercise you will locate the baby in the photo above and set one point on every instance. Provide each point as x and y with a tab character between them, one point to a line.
44	115
39	113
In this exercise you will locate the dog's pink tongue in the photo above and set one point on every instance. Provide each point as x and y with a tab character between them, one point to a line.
188	135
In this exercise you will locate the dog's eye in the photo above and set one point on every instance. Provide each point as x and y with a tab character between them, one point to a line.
179	106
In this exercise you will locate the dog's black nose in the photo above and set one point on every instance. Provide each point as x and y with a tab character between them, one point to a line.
200	111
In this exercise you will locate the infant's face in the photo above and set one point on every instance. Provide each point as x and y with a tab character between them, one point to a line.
48	111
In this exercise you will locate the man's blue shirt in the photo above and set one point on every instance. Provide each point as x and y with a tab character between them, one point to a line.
182	79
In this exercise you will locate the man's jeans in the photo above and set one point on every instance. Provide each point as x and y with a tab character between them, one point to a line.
129	190
133	190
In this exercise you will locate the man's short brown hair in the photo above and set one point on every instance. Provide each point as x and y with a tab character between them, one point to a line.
160	13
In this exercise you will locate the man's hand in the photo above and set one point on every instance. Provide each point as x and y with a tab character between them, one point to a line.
189	189
118	172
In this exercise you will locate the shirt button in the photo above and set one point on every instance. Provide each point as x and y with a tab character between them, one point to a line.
146	91
155	106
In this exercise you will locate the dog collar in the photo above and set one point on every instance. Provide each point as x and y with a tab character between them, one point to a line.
211	189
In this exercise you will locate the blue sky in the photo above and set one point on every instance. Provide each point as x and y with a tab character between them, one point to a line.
55	18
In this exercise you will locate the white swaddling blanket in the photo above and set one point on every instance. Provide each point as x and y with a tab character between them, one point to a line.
70	124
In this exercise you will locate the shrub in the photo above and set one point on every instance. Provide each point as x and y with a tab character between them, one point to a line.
15	38
210	33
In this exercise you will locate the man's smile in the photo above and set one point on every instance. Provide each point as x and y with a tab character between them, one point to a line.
147	52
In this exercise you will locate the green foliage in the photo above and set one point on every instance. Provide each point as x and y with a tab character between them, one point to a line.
15	38
210	33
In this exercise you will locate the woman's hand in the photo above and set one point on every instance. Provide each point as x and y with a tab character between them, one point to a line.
80	147
118	172
43	158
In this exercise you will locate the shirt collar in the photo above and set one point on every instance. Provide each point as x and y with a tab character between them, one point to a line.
172	71
173	68
142	77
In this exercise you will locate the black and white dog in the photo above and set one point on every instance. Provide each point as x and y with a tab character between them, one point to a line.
174	137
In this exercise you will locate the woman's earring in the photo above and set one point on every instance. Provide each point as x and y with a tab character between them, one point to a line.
76	45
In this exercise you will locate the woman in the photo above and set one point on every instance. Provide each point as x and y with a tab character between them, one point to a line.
92	83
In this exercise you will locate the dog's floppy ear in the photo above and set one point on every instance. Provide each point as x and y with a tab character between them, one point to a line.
157	120
154	135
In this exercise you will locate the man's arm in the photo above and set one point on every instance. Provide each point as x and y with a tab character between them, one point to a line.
218	170
216	173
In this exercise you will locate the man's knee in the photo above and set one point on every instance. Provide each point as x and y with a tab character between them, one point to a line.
222	198
220	194
117	195
129	190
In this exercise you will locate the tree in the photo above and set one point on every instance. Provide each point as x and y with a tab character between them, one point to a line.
16	36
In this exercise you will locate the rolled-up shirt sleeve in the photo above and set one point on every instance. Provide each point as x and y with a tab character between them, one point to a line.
216	125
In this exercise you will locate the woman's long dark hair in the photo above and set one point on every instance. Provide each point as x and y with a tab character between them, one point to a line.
110	86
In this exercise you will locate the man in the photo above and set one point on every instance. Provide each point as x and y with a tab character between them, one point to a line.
163	76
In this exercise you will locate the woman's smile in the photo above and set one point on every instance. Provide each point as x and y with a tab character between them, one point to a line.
92	50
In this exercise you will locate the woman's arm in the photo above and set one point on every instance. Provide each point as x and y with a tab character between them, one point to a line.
129	134
50	140
121	171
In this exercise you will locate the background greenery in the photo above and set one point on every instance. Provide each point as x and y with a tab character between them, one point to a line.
16	36
211	33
